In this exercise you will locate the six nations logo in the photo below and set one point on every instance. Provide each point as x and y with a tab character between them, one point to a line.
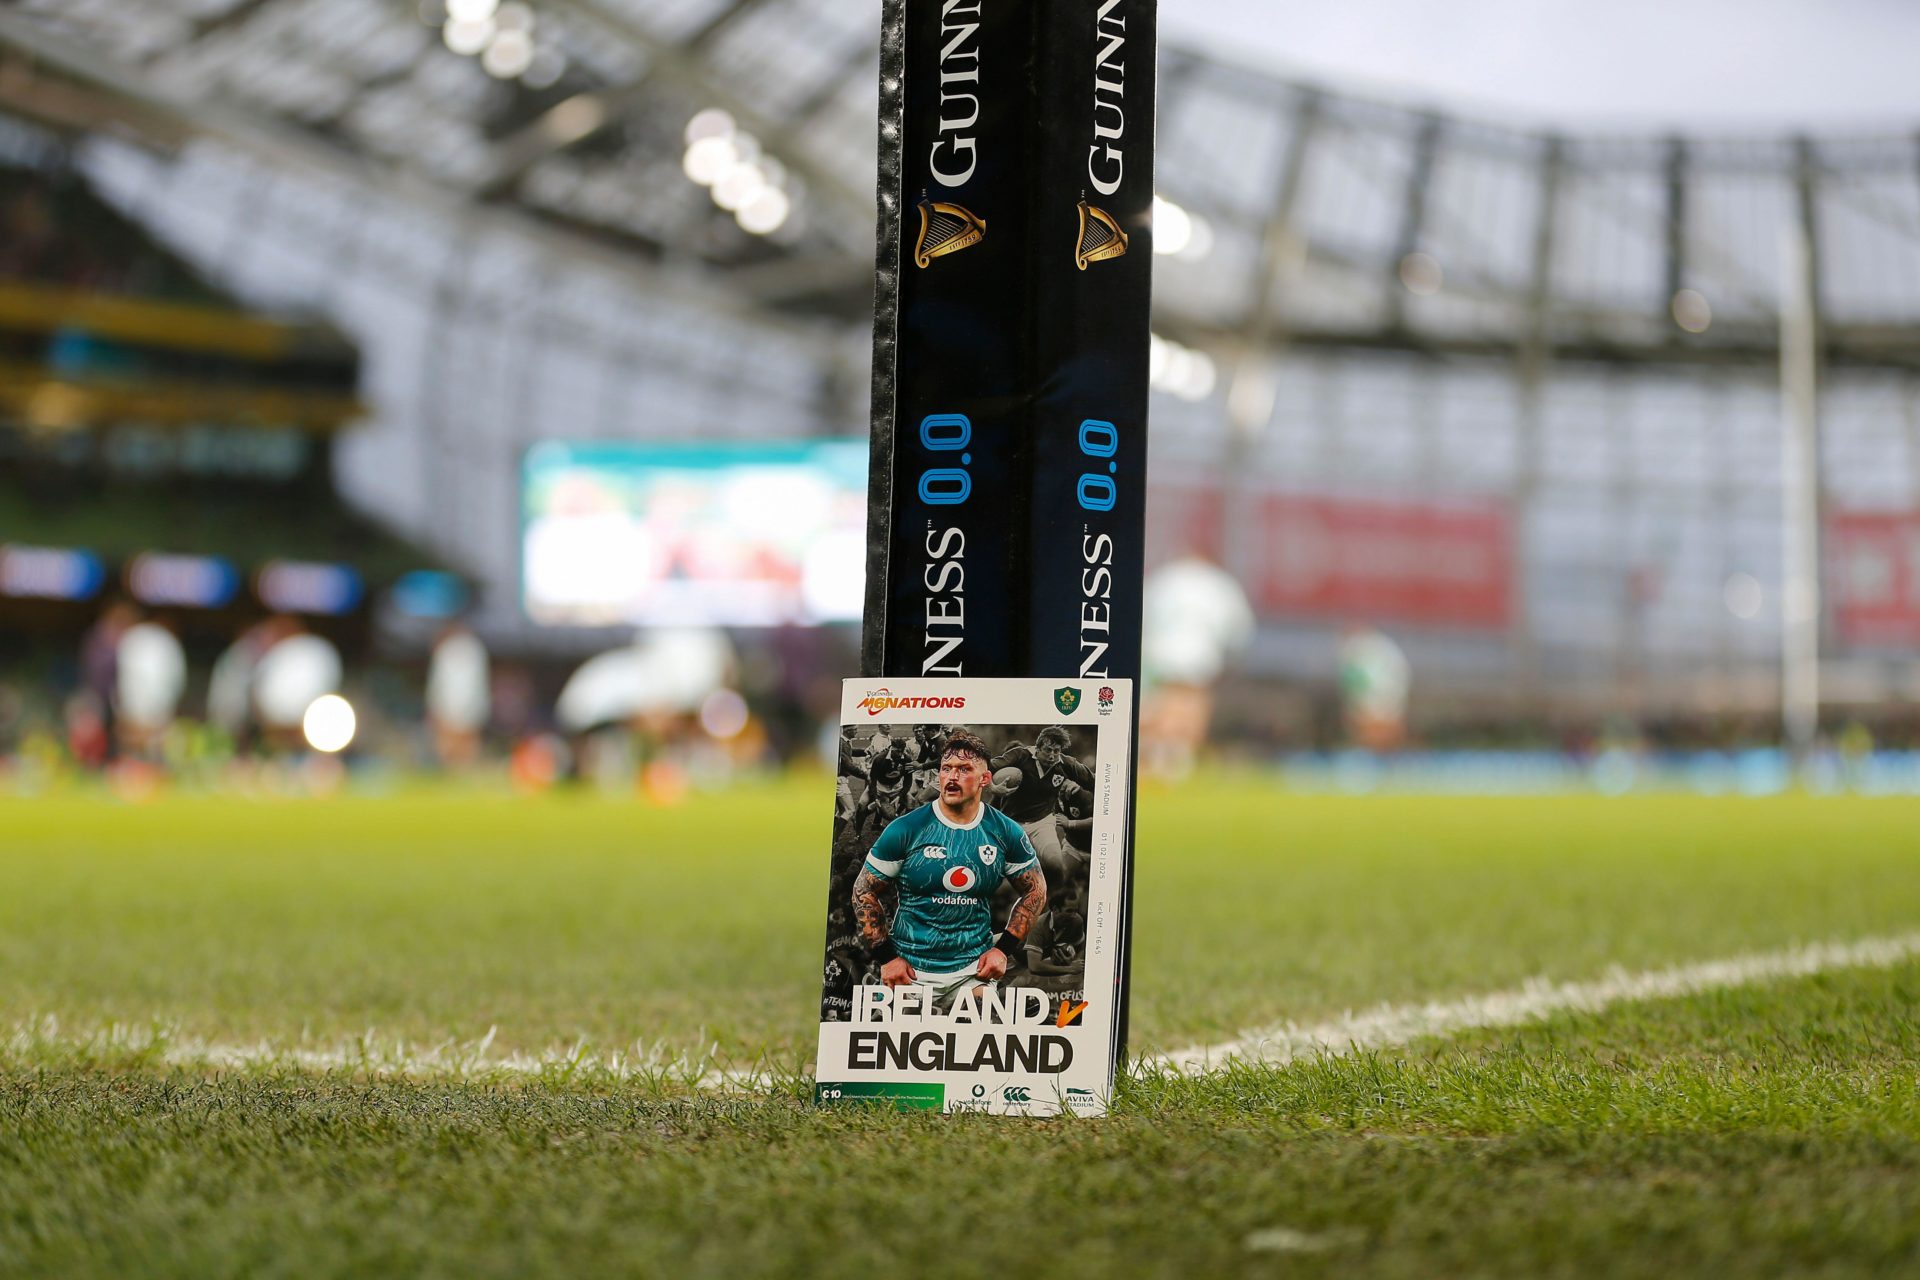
882	700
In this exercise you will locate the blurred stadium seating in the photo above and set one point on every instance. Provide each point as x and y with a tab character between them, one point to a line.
1511	395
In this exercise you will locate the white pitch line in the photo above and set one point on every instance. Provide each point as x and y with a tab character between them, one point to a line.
1384	1027
1391	1025
369	1053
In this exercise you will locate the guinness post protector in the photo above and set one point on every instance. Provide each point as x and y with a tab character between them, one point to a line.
947	558
1092	282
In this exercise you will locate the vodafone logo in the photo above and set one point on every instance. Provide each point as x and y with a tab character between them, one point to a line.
959	879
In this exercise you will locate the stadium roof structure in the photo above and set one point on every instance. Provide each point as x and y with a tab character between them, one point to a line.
503	206
1330	219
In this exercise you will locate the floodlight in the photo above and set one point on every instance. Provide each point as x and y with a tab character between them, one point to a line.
548	65
738	187
467	37
329	724
766	213
510	53
723	714
513	16
711	123
1421	273
709	159
1691	310
1172	227
1743	595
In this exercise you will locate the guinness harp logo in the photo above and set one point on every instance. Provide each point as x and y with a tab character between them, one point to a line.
945	228
1100	237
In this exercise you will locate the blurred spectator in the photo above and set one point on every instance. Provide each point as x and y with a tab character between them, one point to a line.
458	699
55	231
28	233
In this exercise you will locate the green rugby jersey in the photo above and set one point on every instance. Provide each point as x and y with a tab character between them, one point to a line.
947	875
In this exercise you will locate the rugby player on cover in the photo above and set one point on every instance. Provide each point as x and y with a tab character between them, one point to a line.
945	860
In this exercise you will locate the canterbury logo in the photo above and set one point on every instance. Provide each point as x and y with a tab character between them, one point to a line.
946	228
1100	237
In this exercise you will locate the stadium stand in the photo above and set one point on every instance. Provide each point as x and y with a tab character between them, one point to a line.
1509	392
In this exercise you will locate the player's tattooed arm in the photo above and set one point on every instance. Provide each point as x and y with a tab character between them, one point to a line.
869	911
870	917
1032	887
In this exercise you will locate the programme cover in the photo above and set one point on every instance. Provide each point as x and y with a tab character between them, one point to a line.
938	870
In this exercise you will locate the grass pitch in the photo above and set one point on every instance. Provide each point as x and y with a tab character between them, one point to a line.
1772	1129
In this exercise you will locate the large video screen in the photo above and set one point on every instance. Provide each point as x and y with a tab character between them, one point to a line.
675	535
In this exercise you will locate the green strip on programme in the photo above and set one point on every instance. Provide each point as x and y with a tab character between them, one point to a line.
902	1096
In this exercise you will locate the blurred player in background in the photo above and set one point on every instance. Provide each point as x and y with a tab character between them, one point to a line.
1375	680
1195	621
230	690
459	700
91	713
943	862
290	676
151	676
